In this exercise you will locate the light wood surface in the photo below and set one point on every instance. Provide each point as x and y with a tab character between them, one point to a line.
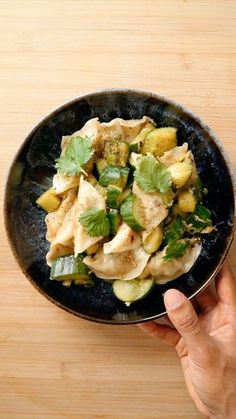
53	365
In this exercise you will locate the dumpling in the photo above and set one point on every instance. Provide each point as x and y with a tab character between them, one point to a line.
88	198
190	159
125	130
91	129
176	155
63	242
57	249
125	239
63	183
125	265
165	271
154	208
65	233
55	219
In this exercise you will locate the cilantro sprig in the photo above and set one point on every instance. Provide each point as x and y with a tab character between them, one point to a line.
95	222
152	176
78	153
175	249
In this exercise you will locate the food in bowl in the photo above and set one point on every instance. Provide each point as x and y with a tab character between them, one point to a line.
126	205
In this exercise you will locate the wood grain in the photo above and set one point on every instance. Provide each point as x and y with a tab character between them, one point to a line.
52	365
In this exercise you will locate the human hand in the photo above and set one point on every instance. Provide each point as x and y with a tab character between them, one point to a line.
206	345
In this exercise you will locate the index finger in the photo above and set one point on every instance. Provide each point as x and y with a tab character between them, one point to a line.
226	286
165	333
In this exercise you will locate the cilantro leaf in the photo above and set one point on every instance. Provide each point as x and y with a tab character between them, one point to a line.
78	152
95	222
175	249
198	220
174	230
152	176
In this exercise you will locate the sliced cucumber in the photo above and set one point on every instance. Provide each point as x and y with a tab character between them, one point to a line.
132	213
116	152
117	176
113	194
48	201
126	192
69	268
100	165
135	145
168	198
132	290
176	210
115	220
159	140
180	173
152	241
187	201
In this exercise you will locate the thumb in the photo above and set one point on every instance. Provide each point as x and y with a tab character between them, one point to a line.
184	318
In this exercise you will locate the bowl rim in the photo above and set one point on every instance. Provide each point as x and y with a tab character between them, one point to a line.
58	110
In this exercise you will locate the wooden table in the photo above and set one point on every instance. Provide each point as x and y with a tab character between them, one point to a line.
53	365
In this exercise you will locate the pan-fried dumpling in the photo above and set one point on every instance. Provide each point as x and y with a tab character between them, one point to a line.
55	219
65	233
176	155
125	239
190	159
90	129
63	242
165	271
125	265
63	183
154	208
88	198
125	130
57	249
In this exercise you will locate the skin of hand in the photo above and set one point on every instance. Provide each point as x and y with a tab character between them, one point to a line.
205	344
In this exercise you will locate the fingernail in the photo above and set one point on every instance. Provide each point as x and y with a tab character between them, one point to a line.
173	299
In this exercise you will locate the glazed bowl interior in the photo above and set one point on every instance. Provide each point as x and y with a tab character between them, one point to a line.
33	169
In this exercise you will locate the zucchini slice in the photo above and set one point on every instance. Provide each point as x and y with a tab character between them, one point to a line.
135	145
113	175
132	213
187	201
69	268
116	152
113	194
48	201
126	192
153	240
133	290
115	220
100	165
160	140
180	173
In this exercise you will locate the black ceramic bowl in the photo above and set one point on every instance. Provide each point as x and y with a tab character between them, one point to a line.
33	168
